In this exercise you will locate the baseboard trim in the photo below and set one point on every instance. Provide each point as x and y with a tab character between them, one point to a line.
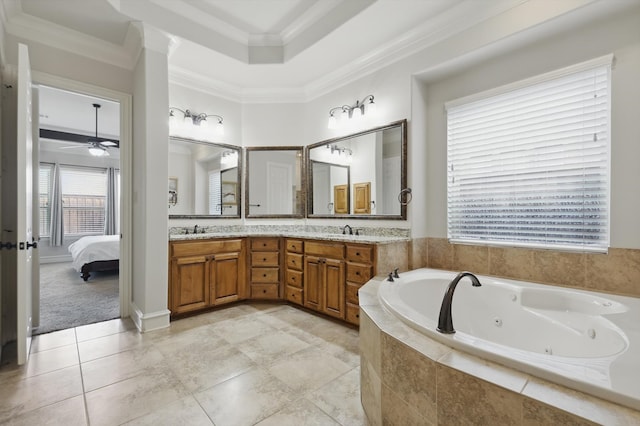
56	259
151	321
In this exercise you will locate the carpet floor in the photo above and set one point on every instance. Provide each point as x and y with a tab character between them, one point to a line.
67	301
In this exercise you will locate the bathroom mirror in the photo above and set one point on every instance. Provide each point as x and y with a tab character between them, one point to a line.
205	179
369	168
275	182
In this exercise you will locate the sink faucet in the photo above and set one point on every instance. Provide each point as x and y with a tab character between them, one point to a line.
344	230
195	229
445	321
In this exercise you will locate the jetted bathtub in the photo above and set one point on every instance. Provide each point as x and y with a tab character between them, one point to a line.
585	340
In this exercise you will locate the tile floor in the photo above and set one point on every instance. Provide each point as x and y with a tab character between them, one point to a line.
242	365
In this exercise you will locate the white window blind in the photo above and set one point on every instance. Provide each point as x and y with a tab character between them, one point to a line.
44	190
530	166
215	191
84	192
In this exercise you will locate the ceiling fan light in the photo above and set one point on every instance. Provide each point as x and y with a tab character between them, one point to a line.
97	151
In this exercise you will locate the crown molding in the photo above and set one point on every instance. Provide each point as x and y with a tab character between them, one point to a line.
190	80
38	30
463	16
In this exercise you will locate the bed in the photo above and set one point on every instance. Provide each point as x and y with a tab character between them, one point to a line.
95	253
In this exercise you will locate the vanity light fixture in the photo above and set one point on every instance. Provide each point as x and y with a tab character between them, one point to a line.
229	158
193	122
348	153
353	112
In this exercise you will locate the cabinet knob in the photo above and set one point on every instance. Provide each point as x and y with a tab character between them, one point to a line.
264	291
264	275
264	259
358	273
357	253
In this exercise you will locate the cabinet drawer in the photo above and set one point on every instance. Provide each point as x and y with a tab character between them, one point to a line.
264	275
334	251
265	258
361	254
294	295
353	314
194	248
295	246
352	293
358	273
294	278
294	261
264	291
266	244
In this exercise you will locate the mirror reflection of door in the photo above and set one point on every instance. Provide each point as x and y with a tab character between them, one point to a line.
341	198
279	188
362	198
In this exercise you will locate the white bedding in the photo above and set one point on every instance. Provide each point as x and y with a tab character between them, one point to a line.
95	247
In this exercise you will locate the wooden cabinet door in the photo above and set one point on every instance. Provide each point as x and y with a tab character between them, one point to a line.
341	199
190	284
334	288
313	276
224	278
362	198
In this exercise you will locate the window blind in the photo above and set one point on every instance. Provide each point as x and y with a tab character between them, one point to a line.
84	192
44	191
530	166
215	193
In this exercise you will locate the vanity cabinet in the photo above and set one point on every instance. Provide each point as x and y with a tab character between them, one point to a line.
294	271
206	273
265	268
360	268
324	278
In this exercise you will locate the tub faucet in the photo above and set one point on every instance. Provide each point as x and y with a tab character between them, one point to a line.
445	321
344	230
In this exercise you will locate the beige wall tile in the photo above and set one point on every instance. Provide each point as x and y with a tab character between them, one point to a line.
419	253
616	272
489	404
554	267
579	404
396	412
535	413
370	341
410	375
370	392
391	256
471	258
440	253
511	263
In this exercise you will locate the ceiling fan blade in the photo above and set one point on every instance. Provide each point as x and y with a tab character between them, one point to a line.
108	143
73	147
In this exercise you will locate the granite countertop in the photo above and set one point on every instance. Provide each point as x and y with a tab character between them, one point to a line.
292	234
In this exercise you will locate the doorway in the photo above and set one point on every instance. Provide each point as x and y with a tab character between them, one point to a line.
79	209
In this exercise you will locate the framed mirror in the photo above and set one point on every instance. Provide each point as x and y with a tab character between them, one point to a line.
275	182
204	179
359	175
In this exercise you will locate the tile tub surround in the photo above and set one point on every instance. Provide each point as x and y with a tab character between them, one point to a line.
616	272
407	378
246	364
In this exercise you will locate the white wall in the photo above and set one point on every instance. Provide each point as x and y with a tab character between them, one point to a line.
620	37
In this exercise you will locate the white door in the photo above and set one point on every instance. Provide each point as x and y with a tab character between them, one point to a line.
279	188
24	219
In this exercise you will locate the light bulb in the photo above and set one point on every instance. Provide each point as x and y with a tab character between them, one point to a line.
372	107
333	122
357	113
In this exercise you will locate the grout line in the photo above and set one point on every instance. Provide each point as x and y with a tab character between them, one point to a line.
84	394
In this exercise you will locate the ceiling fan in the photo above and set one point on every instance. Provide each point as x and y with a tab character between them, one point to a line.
97	146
